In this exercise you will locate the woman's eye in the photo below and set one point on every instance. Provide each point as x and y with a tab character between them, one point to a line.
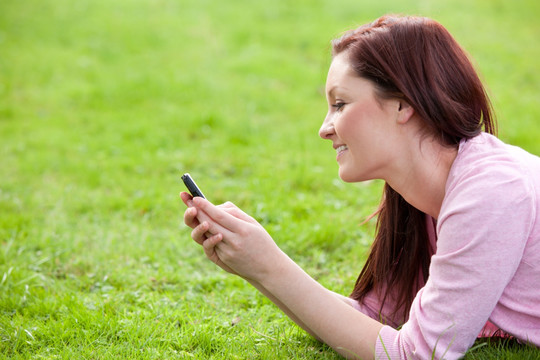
338	106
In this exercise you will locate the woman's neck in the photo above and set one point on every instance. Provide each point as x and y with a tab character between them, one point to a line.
421	180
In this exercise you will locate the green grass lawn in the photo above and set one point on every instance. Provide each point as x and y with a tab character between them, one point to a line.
105	103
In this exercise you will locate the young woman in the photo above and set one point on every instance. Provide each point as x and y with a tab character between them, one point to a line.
457	250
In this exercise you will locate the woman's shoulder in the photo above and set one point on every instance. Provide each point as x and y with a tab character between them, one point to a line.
488	162
492	182
491	194
486	148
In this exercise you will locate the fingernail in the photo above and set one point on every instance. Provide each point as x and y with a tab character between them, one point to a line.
190	203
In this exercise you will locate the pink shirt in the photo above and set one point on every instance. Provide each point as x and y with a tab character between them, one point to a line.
486	266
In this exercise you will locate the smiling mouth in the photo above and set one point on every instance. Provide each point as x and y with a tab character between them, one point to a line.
341	148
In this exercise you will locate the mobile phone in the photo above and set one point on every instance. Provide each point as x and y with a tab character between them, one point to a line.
192	187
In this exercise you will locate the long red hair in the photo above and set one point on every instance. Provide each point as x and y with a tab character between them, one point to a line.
417	60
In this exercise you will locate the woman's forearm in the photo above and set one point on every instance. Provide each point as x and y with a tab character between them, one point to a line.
283	308
288	312
326	315
244	247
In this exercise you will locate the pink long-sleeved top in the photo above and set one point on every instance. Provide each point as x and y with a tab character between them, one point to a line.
485	268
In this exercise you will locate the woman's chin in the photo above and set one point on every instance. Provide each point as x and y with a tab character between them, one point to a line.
345	176
349	177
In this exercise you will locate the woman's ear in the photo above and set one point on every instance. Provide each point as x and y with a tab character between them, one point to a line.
405	112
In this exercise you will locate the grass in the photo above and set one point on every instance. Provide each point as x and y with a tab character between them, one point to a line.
104	104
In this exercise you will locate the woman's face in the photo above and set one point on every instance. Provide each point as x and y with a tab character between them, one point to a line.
361	126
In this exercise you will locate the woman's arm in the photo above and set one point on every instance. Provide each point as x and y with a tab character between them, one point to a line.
289	313
246	248
201	235
192	220
348	331
283	308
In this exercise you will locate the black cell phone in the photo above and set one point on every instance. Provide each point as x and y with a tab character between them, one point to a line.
192	187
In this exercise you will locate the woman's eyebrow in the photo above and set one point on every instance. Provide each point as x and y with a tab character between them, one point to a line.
332	91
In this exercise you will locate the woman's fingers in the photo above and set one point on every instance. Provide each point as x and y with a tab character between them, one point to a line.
203	226
210	243
193	217
190	217
199	233
235	211
206	230
186	198
220	217
210	246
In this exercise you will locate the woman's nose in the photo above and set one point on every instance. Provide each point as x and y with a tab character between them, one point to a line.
327	128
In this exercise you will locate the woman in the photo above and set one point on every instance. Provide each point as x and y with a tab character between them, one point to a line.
457	249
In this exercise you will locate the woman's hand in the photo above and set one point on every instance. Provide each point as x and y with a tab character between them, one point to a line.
200	232
231	238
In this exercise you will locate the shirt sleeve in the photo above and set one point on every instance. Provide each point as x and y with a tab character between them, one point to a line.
482	230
